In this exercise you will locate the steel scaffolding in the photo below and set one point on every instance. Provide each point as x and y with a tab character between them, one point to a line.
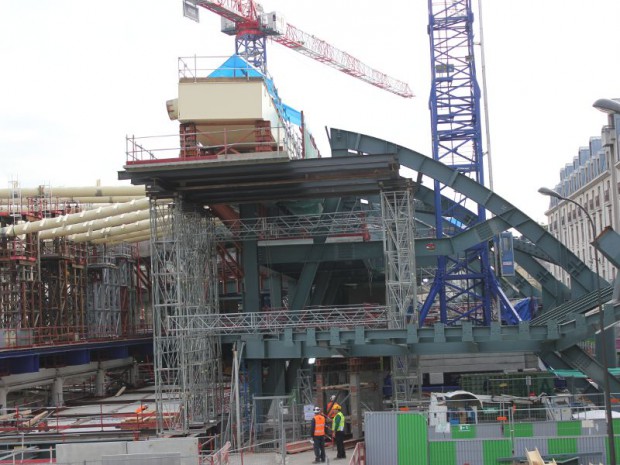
110	296
63	284
361	223
400	276
276	321
184	271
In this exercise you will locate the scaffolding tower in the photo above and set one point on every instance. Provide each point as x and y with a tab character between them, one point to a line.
111	292
63	287
19	287
400	282
187	361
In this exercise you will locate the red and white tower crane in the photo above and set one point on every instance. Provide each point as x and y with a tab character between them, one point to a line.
246	20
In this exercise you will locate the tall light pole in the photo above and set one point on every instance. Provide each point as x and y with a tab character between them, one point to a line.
603	333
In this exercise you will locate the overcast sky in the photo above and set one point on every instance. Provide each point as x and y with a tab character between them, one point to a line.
77	77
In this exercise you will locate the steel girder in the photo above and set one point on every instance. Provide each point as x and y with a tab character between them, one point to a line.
330	338
554	293
582	278
311	265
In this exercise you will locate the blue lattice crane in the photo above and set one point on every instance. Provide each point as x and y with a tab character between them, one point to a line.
464	287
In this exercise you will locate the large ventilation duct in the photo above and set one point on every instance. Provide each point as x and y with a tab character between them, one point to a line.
129	238
139	226
82	217
117	220
74	192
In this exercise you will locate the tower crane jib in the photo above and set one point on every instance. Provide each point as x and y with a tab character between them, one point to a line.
251	27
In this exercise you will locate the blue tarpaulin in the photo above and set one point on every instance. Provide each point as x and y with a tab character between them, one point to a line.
292	115
237	67
525	309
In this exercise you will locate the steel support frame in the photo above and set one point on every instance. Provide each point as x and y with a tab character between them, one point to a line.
252	48
19	294
400	271
187	362
103	301
63	292
111	291
359	223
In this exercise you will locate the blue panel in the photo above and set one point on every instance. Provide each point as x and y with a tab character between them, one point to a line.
28	364
114	352
507	254
77	357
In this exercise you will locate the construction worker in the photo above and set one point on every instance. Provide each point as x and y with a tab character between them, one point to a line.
317	427
331	407
142	408
338	432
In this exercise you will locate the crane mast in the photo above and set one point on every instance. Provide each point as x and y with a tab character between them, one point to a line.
466	286
246	20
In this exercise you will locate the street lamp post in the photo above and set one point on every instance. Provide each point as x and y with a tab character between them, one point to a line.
603	333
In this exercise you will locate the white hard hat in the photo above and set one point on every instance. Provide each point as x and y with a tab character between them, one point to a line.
332	398
317	409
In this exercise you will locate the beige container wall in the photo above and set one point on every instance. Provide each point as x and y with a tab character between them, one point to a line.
202	101
233	106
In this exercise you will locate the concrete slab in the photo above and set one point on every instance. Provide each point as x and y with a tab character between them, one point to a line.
78	453
187	448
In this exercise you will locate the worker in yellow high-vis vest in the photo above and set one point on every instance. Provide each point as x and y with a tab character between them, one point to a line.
338	432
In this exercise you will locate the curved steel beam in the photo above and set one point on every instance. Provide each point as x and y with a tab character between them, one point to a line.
554	292
582	278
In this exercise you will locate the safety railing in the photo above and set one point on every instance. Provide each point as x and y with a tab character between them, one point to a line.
201	67
220	457
475	408
359	454
65	249
18	248
205	145
276	321
65	335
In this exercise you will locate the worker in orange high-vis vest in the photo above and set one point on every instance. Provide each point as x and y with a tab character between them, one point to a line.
317	428
331	407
